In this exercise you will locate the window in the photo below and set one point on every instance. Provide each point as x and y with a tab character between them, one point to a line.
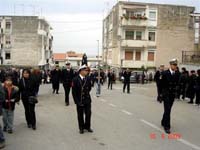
129	35
150	56
152	36
8	25
152	15
8	41
138	35
7	55
128	55
138	56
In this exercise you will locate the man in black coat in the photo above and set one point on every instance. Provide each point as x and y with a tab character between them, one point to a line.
157	79
191	86
55	79
81	87
169	81
126	75
111	78
67	76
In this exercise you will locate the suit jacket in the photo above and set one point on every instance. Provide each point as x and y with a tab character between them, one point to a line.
67	76
81	90
169	83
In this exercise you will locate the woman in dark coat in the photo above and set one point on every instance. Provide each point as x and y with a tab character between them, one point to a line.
27	88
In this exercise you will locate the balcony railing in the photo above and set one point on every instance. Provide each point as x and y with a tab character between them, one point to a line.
191	57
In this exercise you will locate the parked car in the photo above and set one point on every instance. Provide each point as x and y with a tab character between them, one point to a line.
136	77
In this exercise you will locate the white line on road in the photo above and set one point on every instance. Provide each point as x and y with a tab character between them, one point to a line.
126	112
180	140
103	100
112	105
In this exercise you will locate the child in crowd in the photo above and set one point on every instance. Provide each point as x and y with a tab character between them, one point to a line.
11	97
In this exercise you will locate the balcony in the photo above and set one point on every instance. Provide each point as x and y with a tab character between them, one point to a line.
138	43
134	21
137	64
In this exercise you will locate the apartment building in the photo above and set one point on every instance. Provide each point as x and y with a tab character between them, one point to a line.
25	41
137	35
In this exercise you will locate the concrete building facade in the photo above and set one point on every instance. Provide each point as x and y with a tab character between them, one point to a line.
25	41
142	35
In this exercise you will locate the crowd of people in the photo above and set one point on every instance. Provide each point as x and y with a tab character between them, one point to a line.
188	86
24	85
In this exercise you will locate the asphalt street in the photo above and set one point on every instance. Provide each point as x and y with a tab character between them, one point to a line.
120	121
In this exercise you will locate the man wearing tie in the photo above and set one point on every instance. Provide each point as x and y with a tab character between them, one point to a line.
169	81
67	76
81	87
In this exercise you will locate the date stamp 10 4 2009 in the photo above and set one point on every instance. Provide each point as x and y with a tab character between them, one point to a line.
172	136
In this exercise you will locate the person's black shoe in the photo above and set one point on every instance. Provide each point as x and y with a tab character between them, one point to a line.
5	129
10	131
89	130
34	127
66	104
167	131
81	131
53	91
29	125
57	92
190	102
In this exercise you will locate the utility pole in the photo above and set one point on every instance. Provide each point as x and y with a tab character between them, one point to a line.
98	91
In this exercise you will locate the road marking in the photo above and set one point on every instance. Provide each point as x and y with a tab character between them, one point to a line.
126	112
180	140
103	100
112	105
151	125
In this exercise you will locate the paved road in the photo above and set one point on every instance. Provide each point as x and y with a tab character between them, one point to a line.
120	121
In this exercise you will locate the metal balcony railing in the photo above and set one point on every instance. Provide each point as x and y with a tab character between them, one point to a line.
191	57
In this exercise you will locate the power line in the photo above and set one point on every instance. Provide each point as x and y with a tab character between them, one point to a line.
53	21
88	29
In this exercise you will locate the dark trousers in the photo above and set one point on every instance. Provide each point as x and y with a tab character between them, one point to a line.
126	84
167	112
158	91
197	97
84	116
67	90
55	86
110	84
29	112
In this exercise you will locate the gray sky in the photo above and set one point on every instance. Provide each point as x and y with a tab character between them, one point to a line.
77	24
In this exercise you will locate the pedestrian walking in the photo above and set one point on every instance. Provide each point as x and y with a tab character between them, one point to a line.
111	78
157	79
183	82
27	88
81	88
191	86
2	100
197	88
11	97
55	79
169	82
126	74
67	75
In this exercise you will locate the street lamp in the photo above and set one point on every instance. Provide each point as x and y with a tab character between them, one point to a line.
98	90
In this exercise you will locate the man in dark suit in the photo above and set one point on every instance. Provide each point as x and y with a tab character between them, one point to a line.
67	76
55	79
126	75
81	87
157	79
169	81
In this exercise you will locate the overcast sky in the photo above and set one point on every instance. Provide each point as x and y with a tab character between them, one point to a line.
77	24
